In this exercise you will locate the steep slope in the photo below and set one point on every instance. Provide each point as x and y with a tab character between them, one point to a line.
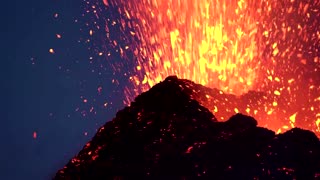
166	132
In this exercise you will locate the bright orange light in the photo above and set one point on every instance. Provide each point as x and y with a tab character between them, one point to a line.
234	46
213	43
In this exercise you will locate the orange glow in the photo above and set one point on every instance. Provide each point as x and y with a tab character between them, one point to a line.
211	43
235	46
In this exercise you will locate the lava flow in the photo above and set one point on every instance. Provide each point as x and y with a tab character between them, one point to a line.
269	46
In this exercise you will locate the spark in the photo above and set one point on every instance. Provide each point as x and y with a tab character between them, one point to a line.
34	135
51	51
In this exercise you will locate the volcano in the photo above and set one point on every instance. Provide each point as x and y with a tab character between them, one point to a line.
168	132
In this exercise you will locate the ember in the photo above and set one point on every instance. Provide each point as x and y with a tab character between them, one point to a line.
238	47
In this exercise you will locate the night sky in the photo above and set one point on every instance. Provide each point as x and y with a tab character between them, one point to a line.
53	102
63	75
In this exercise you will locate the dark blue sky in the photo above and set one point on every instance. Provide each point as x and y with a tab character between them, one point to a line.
43	90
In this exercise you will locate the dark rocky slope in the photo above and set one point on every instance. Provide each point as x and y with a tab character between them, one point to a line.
166	133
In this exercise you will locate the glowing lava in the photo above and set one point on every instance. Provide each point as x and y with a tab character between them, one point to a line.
235	46
213	43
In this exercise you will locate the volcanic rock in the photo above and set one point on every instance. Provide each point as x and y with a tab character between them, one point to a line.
166	133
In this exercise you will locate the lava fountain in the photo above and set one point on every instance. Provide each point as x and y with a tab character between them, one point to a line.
213	43
236	46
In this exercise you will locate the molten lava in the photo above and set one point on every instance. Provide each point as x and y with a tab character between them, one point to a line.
211	43
236	46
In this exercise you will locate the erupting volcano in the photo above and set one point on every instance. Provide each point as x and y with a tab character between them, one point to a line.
263	52
207	82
